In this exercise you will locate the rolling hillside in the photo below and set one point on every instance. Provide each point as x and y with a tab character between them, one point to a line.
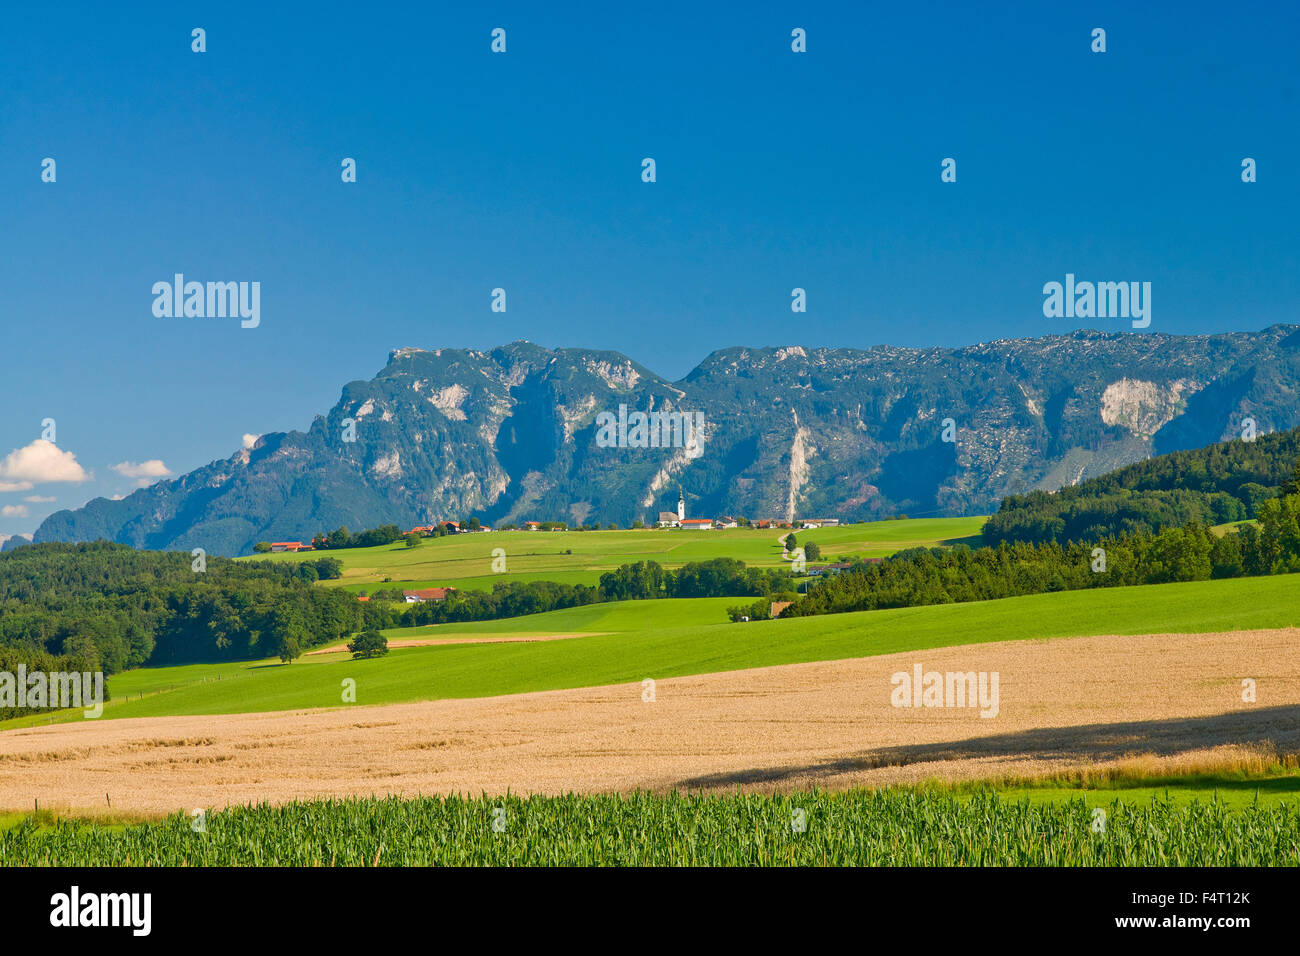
630	641
580	557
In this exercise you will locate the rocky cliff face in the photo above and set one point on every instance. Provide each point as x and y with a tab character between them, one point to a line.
516	434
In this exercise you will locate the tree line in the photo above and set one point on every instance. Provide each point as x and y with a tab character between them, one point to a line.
11	658
942	576
644	580
108	606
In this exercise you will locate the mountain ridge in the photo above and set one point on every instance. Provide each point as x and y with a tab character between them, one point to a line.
511	433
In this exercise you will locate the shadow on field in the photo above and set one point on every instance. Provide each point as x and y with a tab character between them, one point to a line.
1275	726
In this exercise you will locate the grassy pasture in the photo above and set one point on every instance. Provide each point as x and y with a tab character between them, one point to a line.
580	557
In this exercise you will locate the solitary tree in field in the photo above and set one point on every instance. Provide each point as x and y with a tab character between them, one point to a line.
288	648
370	643
413	540
811	551
289	632
791	542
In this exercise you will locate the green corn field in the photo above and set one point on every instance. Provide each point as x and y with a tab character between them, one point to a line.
866	828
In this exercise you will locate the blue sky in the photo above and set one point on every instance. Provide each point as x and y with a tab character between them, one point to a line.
523	171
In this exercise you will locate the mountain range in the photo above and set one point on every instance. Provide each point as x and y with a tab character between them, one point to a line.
512	434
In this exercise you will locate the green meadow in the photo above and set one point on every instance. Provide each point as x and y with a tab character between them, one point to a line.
630	641
581	557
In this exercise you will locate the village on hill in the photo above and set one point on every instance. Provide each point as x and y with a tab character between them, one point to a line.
666	519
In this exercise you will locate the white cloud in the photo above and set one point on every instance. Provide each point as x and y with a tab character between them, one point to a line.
14	511
40	499
251	440
41	461
153	468
117	498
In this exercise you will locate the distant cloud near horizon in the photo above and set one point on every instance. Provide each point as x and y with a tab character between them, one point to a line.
250	440
40	462
14	511
153	468
40	499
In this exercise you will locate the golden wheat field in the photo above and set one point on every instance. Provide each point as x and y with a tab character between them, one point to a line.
1166	701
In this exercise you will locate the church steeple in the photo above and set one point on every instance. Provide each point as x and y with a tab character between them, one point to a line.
681	505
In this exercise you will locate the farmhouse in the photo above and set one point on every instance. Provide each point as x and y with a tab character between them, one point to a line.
817	522
533	525
821	569
696	524
421	595
726	521
290	546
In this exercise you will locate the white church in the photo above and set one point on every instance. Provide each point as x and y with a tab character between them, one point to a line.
668	519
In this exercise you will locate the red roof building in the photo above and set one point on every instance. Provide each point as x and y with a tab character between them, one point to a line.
420	595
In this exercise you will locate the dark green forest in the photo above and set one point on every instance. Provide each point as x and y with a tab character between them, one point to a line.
1147	523
943	576
107	606
1215	485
